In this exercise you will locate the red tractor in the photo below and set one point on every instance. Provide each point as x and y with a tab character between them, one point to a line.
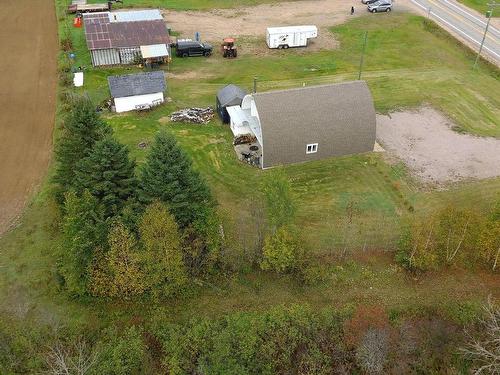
228	48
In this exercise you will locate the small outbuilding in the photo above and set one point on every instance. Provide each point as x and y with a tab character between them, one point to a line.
137	91
230	95
307	123
115	38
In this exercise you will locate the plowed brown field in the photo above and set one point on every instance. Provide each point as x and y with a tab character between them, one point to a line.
28	78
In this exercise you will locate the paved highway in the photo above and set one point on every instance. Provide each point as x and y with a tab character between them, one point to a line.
464	22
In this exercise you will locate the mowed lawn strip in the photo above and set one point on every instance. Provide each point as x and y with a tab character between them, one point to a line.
481	6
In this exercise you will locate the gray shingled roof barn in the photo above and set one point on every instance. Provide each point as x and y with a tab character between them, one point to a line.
137	84
308	123
228	96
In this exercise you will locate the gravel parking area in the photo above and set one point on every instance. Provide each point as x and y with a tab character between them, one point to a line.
425	141
248	24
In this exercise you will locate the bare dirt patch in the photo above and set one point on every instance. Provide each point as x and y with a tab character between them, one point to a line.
425	141
249	24
28	46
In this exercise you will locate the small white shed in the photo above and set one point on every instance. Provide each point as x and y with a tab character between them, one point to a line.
137	91
290	36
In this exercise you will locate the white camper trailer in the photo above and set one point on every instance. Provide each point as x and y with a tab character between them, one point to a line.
290	36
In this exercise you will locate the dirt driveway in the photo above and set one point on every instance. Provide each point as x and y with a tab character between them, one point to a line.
249	23
424	140
28	46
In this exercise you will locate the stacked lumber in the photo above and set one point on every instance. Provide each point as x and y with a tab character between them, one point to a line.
244	139
193	115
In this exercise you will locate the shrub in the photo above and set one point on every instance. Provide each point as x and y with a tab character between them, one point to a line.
280	341
282	251
372	352
121	354
449	236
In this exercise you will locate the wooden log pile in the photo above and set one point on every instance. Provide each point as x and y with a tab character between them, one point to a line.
244	139
193	115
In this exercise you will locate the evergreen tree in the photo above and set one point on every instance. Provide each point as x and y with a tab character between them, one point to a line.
108	173
168	175
84	229
118	272
162	255
82	128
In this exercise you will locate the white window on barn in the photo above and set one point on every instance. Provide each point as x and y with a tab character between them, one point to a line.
311	148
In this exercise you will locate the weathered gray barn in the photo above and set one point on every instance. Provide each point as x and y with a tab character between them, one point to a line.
308	123
117	37
137	91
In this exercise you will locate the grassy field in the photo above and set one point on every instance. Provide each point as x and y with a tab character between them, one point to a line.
481	6
406	64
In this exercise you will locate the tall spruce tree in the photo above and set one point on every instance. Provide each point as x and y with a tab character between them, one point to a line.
84	229
168	175
108	173
82	128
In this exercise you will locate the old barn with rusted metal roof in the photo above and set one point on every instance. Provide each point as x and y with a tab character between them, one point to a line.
114	38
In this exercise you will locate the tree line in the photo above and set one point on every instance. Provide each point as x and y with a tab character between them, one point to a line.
296	339
127	230
451	236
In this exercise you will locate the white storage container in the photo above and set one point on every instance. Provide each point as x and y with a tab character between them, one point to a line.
290	36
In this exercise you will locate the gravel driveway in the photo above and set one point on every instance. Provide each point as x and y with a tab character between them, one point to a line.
435	153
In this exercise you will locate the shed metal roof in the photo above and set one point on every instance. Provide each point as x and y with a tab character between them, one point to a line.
139	33
339	117
97	30
154	50
231	95
100	33
135	15
137	84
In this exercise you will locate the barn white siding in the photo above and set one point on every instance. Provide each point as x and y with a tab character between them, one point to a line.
130	103
103	57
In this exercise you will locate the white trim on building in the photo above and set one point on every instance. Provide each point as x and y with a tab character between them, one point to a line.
132	103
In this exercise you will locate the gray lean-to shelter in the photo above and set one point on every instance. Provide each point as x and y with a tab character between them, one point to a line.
228	96
308	123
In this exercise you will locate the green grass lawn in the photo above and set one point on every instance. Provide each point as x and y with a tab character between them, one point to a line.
406	64
481	6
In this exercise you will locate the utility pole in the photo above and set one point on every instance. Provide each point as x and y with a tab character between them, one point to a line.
489	14
254	85
362	55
